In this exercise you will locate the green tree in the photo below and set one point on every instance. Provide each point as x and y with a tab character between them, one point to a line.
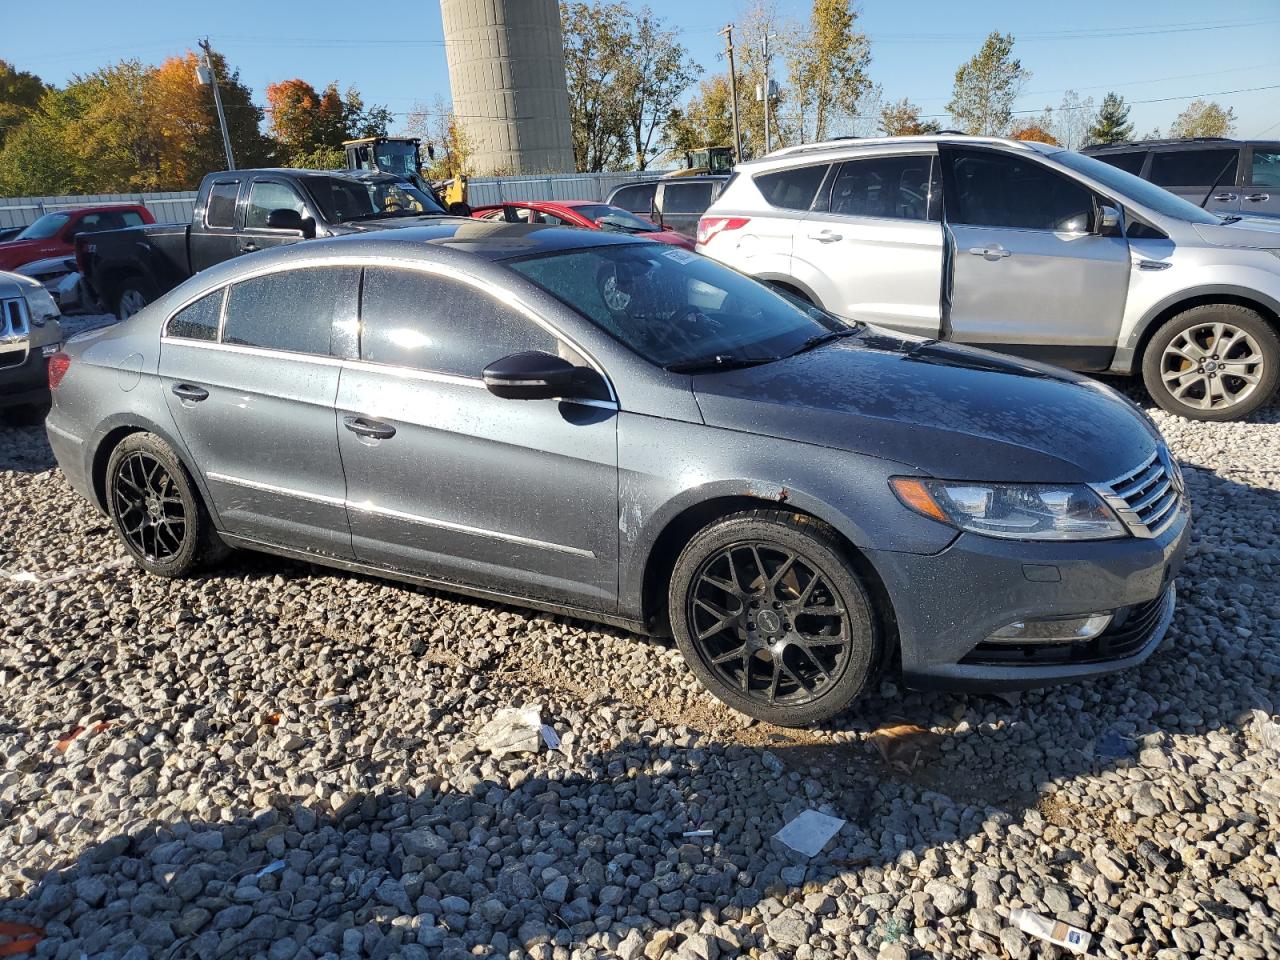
20	92
828	66
1204	118
596	47
1112	123
656	71
902	119
706	119
986	87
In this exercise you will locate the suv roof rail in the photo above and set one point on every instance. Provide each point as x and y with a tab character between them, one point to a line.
836	143
1162	142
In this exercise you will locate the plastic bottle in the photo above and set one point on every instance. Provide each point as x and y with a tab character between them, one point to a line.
1064	935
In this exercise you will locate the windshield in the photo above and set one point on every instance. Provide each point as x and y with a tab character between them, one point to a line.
344	199
608	217
397	158
1135	188
45	227
675	308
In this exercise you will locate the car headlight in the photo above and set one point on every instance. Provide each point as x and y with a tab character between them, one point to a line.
1012	511
41	304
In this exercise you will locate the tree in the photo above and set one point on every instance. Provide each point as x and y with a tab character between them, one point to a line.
1112	123
311	125
902	119
1204	118
1072	121
986	87
186	124
1033	131
657	70
20	92
595	51
438	128
828	65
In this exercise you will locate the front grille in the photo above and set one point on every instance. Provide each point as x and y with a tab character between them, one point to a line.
1130	630
15	334
1146	499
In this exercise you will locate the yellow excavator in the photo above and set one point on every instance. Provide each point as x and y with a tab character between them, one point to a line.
706	160
402	156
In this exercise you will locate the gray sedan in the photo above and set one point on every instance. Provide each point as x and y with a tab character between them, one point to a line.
622	430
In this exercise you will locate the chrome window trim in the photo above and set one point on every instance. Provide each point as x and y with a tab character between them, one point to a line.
349	260
256	351
371	508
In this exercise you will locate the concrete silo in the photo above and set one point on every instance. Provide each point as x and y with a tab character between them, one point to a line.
506	68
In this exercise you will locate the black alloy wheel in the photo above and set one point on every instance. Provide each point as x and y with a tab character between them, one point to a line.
773	619
156	509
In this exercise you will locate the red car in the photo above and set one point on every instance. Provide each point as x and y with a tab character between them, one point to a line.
54	234
581	213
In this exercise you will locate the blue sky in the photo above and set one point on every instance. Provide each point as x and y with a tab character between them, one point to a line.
394	53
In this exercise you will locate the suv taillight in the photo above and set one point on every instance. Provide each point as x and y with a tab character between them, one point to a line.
59	364
708	227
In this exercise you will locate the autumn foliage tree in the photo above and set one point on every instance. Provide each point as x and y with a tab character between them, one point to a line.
1035	132
311	125
20	92
902	119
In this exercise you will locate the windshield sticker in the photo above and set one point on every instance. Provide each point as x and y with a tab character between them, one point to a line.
679	256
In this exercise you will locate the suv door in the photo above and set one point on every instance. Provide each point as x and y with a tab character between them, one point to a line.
1261	193
637	198
871	249
215	238
681	203
267	194
1196	172
251	385
1028	274
446	479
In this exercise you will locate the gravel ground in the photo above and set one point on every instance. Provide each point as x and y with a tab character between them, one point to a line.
285	762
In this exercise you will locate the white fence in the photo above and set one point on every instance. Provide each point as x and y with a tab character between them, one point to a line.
177	207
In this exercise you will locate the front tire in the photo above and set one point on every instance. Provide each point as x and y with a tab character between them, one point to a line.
1217	361
773	619
156	510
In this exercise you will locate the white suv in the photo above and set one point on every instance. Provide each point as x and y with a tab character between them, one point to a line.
1018	247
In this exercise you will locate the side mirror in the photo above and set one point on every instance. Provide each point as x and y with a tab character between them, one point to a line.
532	375
1109	221
285	219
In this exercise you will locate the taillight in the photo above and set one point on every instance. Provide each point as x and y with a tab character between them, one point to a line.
59	363
708	227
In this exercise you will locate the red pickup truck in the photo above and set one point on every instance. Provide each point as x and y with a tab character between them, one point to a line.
54	234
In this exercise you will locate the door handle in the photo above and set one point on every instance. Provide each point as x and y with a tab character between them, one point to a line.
189	391
991	253
1258	197
364	427
1224	197
248	246
825	236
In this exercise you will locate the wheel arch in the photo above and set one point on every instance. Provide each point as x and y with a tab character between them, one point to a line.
791	285
111	436
1161	313
680	529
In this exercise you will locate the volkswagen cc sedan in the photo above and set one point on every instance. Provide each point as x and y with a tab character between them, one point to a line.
625	431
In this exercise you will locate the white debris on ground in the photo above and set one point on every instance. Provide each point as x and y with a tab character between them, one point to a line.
282	761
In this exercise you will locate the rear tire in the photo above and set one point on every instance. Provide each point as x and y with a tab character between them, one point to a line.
1217	361
157	511
134	294
773	619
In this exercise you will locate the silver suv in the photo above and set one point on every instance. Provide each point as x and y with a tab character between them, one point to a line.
1018	247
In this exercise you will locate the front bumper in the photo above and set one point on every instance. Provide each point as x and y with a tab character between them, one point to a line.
946	605
25	382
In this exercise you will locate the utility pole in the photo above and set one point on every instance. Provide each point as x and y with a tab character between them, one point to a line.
211	78
727	33
768	134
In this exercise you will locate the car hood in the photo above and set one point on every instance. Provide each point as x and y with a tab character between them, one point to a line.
1246	232
953	412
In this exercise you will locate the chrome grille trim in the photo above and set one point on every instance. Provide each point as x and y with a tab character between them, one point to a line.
15	332
1145	498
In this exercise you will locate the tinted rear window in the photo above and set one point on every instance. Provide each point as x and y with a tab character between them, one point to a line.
293	310
792	189
1130	162
686	197
221	208
199	321
1193	168
636	199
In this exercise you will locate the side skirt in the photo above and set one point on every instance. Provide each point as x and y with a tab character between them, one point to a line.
391	573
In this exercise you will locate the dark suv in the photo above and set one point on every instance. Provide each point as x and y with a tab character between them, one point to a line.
1237	176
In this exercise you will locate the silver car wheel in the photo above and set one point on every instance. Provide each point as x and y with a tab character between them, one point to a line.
131	301
1211	366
